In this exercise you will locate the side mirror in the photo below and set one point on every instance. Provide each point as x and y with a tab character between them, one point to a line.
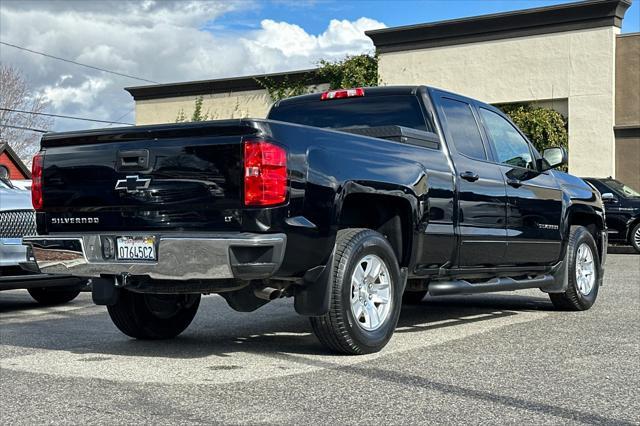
554	157
608	197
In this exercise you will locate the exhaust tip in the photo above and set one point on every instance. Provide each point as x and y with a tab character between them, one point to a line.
267	293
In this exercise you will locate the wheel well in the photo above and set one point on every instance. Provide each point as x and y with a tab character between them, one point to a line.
632	225
592	222
391	216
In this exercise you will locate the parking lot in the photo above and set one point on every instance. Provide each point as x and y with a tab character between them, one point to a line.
506	357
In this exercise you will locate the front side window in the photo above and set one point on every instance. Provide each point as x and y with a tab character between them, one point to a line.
622	189
512	149
463	128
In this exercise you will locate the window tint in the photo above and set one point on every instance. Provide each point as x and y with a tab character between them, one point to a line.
599	186
622	189
463	128
510	146
372	111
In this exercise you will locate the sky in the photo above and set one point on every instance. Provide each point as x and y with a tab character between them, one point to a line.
170	41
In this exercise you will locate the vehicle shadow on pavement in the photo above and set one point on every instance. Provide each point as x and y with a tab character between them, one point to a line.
220	331
19	300
7	306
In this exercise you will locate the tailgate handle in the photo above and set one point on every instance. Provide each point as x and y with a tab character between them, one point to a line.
133	160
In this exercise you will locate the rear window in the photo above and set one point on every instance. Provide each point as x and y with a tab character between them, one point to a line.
373	111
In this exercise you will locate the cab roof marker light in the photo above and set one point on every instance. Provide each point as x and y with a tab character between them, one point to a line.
342	93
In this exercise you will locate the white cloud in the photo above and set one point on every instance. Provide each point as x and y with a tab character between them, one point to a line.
62	95
163	41
341	38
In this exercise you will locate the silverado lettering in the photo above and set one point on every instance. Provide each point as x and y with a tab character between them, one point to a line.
74	220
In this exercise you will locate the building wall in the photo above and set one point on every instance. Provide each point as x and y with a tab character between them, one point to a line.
574	65
255	103
219	106
14	171
628	160
628	79
628	109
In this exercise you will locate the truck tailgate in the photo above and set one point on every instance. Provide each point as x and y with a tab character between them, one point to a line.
144	178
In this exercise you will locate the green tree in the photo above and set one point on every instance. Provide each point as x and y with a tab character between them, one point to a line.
198	114
545	127
352	71
287	88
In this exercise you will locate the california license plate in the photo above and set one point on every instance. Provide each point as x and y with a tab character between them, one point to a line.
136	248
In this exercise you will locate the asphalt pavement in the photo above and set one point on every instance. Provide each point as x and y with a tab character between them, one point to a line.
482	359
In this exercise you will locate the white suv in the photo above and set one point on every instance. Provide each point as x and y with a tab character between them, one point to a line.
17	268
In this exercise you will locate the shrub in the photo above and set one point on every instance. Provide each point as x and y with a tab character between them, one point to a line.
545	127
352	71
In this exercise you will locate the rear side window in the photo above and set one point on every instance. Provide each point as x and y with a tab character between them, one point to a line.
373	111
463	128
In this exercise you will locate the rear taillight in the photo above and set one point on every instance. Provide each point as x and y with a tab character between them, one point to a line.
265	174
343	93
36	178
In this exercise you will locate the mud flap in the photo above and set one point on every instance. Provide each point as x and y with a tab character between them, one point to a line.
312	299
104	291
404	276
561	278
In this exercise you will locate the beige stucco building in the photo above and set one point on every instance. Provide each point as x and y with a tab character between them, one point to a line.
570	57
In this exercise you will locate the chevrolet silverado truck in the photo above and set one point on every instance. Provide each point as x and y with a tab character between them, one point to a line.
350	201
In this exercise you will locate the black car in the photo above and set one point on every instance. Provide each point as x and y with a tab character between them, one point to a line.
622	208
342	200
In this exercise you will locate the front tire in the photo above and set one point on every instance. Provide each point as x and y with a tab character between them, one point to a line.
635	237
153	316
366	294
53	295
583	272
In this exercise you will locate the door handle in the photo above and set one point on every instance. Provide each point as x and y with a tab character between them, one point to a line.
470	176
514	182
133	161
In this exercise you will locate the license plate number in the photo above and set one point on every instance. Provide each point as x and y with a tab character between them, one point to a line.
136	248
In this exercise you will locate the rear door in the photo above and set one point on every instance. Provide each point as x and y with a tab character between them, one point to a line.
481	199
534	199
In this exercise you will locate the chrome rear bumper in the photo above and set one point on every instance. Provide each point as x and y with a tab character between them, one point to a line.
180	256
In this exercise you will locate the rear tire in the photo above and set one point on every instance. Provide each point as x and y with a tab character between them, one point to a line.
53	295
635	238
153	316
583	272
366	293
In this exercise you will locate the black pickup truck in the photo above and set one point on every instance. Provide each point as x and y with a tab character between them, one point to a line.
350	201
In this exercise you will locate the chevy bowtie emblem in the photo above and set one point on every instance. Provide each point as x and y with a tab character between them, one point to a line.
132	184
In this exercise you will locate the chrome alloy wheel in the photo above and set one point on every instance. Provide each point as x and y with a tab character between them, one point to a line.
585	269
371	294
636	237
